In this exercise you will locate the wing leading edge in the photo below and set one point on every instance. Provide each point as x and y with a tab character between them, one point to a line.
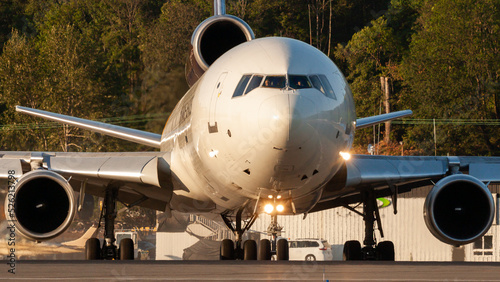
369	121
390	174
129	134
144	178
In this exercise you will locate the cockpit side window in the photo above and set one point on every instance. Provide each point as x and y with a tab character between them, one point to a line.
254	83
299	81
328	87
242	85
278	81
316	82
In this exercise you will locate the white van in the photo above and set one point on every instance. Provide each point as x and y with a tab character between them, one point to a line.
310	250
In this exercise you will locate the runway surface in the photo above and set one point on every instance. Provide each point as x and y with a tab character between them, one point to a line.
248	271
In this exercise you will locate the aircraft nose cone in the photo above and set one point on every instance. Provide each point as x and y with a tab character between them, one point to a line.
284	120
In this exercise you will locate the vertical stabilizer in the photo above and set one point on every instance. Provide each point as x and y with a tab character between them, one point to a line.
219	7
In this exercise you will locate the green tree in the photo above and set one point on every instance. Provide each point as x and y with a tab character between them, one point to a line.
19	85
12	16
164	51
69	81
84	67
452	72
372	53
279	18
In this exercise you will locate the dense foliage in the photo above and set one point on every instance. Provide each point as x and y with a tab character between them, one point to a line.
123	61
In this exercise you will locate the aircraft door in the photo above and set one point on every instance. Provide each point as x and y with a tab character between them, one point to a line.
212	122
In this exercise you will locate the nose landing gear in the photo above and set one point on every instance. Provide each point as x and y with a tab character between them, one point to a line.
280	246
230	250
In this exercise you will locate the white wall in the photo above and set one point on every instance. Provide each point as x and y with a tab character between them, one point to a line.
407	230
412	239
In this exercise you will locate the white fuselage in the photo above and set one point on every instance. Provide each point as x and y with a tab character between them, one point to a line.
231	146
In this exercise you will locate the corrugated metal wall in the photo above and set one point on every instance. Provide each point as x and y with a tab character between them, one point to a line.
407	229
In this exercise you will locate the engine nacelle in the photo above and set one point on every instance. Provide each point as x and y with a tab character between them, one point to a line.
44	205
212	38
459	209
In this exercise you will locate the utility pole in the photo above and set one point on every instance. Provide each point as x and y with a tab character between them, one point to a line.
384	81
435	137
310	27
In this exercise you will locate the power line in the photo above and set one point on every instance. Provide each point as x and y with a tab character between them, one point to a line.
488	122
124	120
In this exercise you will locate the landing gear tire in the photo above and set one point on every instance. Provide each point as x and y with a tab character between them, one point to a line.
126	249
264	250
385	251
250	250
227	250
352	250
310	258
92	249
282	249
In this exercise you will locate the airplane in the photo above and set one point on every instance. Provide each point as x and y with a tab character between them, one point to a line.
266	126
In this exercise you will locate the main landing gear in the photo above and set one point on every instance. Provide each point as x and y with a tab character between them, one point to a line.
230	250
109	251
371	250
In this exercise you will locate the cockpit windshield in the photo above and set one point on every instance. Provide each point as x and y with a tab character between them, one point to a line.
299	81
278	81
249	82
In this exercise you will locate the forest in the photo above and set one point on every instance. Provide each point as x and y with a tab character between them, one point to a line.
122	62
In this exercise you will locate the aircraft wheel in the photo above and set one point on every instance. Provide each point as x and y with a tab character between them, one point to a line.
126	249
385	251
92	249
264	250
310	258
352	250
227	250
282	250
250	250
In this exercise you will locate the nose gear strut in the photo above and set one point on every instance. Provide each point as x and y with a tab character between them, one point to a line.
249	250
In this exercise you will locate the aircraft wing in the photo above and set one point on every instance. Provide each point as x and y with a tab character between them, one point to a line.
129	134
369	121
389	175
140	175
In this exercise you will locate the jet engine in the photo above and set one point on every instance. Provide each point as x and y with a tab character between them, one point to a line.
44	205
212	38
459	209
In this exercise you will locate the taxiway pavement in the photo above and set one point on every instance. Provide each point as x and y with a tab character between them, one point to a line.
248	271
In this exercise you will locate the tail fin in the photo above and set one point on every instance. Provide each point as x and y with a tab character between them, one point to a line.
219	7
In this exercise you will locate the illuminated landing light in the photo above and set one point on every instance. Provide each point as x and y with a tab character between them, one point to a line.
276	117
278	197
346	156
213	153
268	208
280	208
270	196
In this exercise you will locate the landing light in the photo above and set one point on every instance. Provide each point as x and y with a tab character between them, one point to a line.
268	208
345	155
280	208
